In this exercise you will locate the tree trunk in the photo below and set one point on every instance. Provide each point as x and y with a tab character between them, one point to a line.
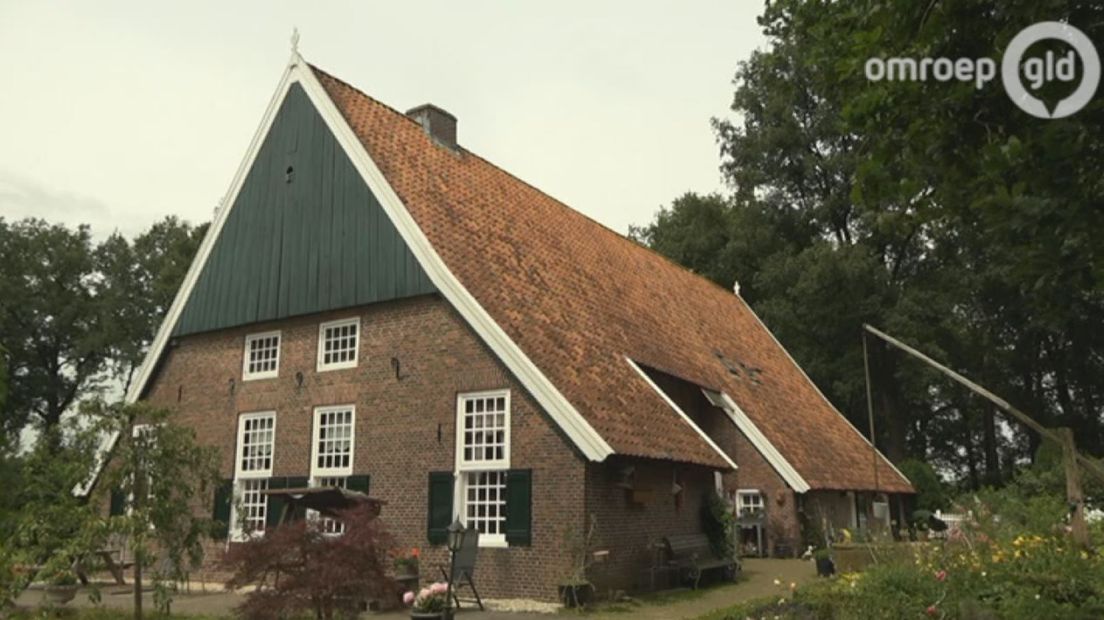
888	402
989	446
137	588
1074	495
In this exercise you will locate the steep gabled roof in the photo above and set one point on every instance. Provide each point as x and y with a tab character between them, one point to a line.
578	299
572	308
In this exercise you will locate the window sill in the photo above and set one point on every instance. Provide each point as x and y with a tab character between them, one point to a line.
274	375
493	542
345	366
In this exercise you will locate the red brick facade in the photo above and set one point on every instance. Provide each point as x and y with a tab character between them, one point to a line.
404	428
783	531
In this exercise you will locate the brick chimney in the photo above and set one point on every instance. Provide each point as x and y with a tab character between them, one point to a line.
439	124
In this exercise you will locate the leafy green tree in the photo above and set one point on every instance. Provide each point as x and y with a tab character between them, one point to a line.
74	314
164	474
51	321
141	279
935	210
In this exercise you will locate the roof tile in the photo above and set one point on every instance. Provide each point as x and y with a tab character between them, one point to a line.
578	298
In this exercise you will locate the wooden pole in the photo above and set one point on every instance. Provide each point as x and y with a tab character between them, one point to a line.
1078	528
870	413
1090	465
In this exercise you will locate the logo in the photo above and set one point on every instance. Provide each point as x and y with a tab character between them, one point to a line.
1039	71
1042	70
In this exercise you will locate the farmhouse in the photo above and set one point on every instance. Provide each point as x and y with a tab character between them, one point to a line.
379	308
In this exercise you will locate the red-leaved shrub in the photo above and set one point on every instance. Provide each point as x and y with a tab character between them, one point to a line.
296	568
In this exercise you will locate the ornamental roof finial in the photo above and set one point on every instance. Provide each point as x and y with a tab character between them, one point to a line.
295	40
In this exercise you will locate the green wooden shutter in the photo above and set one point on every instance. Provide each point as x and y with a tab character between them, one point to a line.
275	509
118	503
440	506
519	506
357	483
224	495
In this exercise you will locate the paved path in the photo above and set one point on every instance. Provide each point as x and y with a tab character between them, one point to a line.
758	581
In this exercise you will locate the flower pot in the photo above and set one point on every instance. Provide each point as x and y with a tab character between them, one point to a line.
428	615
576	594
825	567
60	595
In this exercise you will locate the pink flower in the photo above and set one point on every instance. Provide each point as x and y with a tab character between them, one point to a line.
932	610
408	598
439	588
941	575
424	592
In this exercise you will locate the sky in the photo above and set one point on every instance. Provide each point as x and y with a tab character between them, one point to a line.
119	113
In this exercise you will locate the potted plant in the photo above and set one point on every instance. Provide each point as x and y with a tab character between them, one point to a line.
61	587
406	564
576	590
431	602
825	567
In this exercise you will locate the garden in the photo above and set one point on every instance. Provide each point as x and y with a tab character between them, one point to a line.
1013	557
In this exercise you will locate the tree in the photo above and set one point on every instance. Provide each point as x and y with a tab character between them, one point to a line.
53	526
71	310
164	474
140	281
936	210
298	568
51	321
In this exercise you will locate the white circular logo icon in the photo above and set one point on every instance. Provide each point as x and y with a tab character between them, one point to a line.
1041	70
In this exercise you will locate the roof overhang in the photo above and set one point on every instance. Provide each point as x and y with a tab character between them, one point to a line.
582	435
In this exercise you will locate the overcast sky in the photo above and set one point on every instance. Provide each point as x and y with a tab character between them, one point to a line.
119	113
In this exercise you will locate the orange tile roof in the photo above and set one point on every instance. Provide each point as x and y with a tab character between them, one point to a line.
578	298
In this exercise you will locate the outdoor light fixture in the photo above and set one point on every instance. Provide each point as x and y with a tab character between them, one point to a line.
454	541
455	535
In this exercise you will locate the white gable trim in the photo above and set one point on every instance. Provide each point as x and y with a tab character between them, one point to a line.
581	433
822	396
764	446
573	424
685	418
157	347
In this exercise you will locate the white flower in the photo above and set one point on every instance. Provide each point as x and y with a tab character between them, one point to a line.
1036	597
777	582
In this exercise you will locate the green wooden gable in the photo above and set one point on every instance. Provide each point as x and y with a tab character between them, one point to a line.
304	235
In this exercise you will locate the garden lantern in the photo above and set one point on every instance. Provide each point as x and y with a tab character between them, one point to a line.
455	535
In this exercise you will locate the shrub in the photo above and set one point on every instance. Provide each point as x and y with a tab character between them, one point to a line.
432	599
297	568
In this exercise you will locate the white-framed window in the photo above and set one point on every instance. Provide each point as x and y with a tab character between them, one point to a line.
262	356
325	524
484	421
333	441
256	443
338	342
482	458
252	468
749	501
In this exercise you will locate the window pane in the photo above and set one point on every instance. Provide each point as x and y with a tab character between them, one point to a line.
485	499
334	447
484	420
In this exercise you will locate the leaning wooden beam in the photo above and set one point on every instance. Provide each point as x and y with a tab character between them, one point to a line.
1090	464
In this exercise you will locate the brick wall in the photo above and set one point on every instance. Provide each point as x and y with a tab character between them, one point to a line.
404	428
631	530
783	530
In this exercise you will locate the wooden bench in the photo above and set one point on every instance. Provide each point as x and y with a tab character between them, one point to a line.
692	555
